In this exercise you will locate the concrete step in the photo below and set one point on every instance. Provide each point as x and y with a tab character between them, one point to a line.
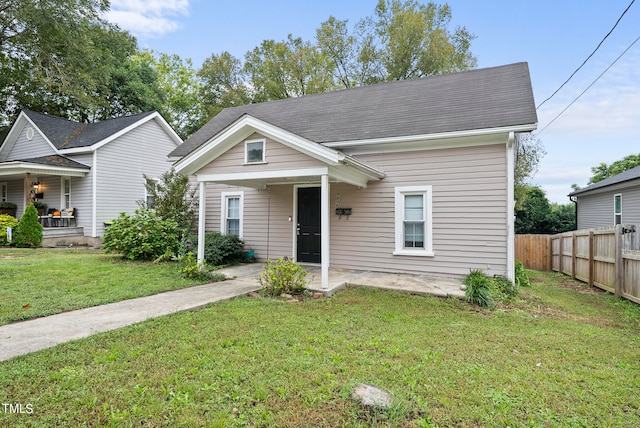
53	232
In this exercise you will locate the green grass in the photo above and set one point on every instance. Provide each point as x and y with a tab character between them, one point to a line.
561	355
37	283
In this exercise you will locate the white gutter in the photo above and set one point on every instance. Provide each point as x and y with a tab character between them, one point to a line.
438	136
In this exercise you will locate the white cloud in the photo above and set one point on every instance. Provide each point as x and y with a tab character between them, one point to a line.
611	107
148	18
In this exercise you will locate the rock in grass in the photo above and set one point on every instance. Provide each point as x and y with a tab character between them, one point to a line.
371	396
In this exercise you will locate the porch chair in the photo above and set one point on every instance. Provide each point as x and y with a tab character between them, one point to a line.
68	215
47	219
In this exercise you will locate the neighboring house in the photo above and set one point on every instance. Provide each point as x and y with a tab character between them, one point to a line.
96	168
410	176
615	200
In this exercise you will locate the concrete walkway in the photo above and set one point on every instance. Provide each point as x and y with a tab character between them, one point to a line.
28	336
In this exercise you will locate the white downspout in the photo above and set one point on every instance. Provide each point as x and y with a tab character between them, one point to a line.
201	222
511	237
324	227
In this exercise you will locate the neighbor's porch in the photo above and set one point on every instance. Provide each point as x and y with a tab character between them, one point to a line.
45	182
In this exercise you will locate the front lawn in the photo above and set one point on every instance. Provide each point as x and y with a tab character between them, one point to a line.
36	283
562	355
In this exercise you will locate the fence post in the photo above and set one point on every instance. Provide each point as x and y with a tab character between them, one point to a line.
549	254
561	258
574	240
591	262
619	262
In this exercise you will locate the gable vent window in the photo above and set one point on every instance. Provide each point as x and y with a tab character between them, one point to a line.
254	151
29	133
617	209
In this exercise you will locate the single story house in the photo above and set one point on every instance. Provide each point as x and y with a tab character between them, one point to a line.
95	168
615	200
412	176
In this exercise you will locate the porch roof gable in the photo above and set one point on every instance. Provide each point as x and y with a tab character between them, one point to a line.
45	165
339	166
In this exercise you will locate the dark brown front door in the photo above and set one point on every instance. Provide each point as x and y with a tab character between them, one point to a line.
309	225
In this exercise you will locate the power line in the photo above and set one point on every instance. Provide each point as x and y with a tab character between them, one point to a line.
589	87
585	61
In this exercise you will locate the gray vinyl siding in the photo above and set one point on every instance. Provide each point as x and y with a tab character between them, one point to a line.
469	214
24	148
267	229
277	156
120	167
15	194
81	194
596	209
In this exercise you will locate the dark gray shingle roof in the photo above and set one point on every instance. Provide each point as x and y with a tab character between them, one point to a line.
630	174
66	134
55	160
477	99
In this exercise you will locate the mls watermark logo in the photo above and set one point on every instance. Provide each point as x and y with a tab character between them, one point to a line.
17	408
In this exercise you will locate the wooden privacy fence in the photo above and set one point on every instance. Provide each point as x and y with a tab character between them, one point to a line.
608	258
534	251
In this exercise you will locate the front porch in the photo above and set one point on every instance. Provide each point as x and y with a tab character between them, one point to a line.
340	278
53	237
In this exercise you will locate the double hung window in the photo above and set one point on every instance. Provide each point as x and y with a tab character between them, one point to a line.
232	213
617	209
413	224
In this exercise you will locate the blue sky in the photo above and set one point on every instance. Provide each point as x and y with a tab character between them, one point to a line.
554	37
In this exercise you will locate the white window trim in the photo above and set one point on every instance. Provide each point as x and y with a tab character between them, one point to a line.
264	151
615	213
146	192
223	211
62	193
4	192
426	192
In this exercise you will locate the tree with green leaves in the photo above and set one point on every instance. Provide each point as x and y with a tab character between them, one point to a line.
529	152
172	198
604	171
223	84
179	90
536	215
290	68
61	57
415	40
403	40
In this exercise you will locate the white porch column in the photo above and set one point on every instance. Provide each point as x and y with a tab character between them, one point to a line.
324	227
201	221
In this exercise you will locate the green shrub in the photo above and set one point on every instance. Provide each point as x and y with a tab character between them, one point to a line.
6	221
522	279
505	288
283	276
189	268
478	289
144	236
220	249
29	229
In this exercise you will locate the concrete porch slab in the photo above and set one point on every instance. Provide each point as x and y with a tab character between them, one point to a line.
340	278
